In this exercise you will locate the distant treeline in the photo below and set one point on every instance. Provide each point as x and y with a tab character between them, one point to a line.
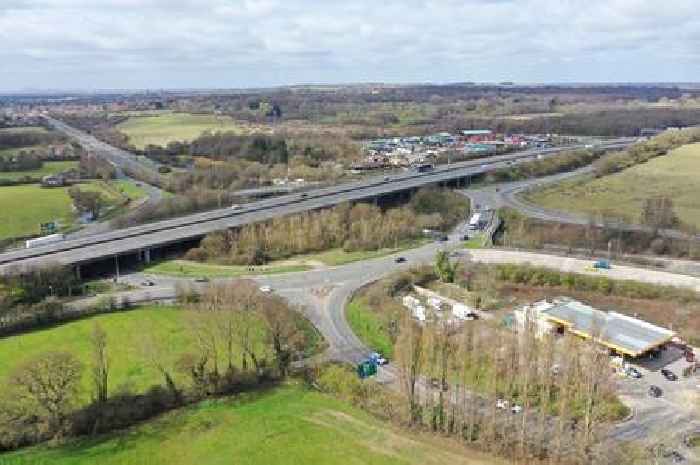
18	139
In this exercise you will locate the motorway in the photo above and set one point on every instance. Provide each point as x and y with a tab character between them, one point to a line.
195	226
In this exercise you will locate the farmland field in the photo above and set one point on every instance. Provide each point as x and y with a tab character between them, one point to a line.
127	333
168	127
49	167
622	194
286	425
23	208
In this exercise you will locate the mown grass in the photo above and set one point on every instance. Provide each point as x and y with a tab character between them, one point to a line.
23	208
189	269
129	335
622	195
368	326
335	257
288	425
126	332
49	167
167	127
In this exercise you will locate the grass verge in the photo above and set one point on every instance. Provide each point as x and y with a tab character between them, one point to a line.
369	327
189	269
286	425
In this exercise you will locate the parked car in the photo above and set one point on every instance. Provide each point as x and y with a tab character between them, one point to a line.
502	404
633	373
201	279
377	358
655	391
465	237
400	260
265	289
148	283
669	375
601	265
435	383
516	408
443	238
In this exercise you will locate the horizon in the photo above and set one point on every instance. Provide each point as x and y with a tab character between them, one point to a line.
213	44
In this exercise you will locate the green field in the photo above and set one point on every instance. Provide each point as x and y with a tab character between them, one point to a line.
186	268
622	194
127	333
23	208
168	127
368	327
289	425
15	151
49	167
130	189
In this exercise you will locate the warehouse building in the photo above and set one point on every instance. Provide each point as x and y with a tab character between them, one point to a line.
622	334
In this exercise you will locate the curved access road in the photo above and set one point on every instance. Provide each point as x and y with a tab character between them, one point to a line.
510	195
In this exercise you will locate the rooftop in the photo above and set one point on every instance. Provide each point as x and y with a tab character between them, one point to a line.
623	333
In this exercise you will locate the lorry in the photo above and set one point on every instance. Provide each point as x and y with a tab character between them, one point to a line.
46	240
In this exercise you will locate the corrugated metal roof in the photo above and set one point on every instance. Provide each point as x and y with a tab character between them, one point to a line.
623	333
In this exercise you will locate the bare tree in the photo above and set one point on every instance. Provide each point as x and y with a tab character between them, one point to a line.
49	384
409	357
100	363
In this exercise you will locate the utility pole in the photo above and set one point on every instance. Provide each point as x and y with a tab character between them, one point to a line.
116	267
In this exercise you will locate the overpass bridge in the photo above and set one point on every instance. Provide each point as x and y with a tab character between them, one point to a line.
141	240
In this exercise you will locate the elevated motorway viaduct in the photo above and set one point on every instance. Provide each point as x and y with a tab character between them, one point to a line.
139	241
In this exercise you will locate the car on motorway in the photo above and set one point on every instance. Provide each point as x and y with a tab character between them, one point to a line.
400	260
265	289
201	279
669	375
655	391
386	178
304	195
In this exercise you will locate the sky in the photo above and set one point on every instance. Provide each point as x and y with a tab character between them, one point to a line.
161	44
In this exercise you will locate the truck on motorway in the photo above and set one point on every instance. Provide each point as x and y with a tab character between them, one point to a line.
46	240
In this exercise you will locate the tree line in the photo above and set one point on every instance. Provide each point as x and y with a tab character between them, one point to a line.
352	227
242	340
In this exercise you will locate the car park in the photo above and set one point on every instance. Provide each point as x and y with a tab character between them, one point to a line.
669	375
